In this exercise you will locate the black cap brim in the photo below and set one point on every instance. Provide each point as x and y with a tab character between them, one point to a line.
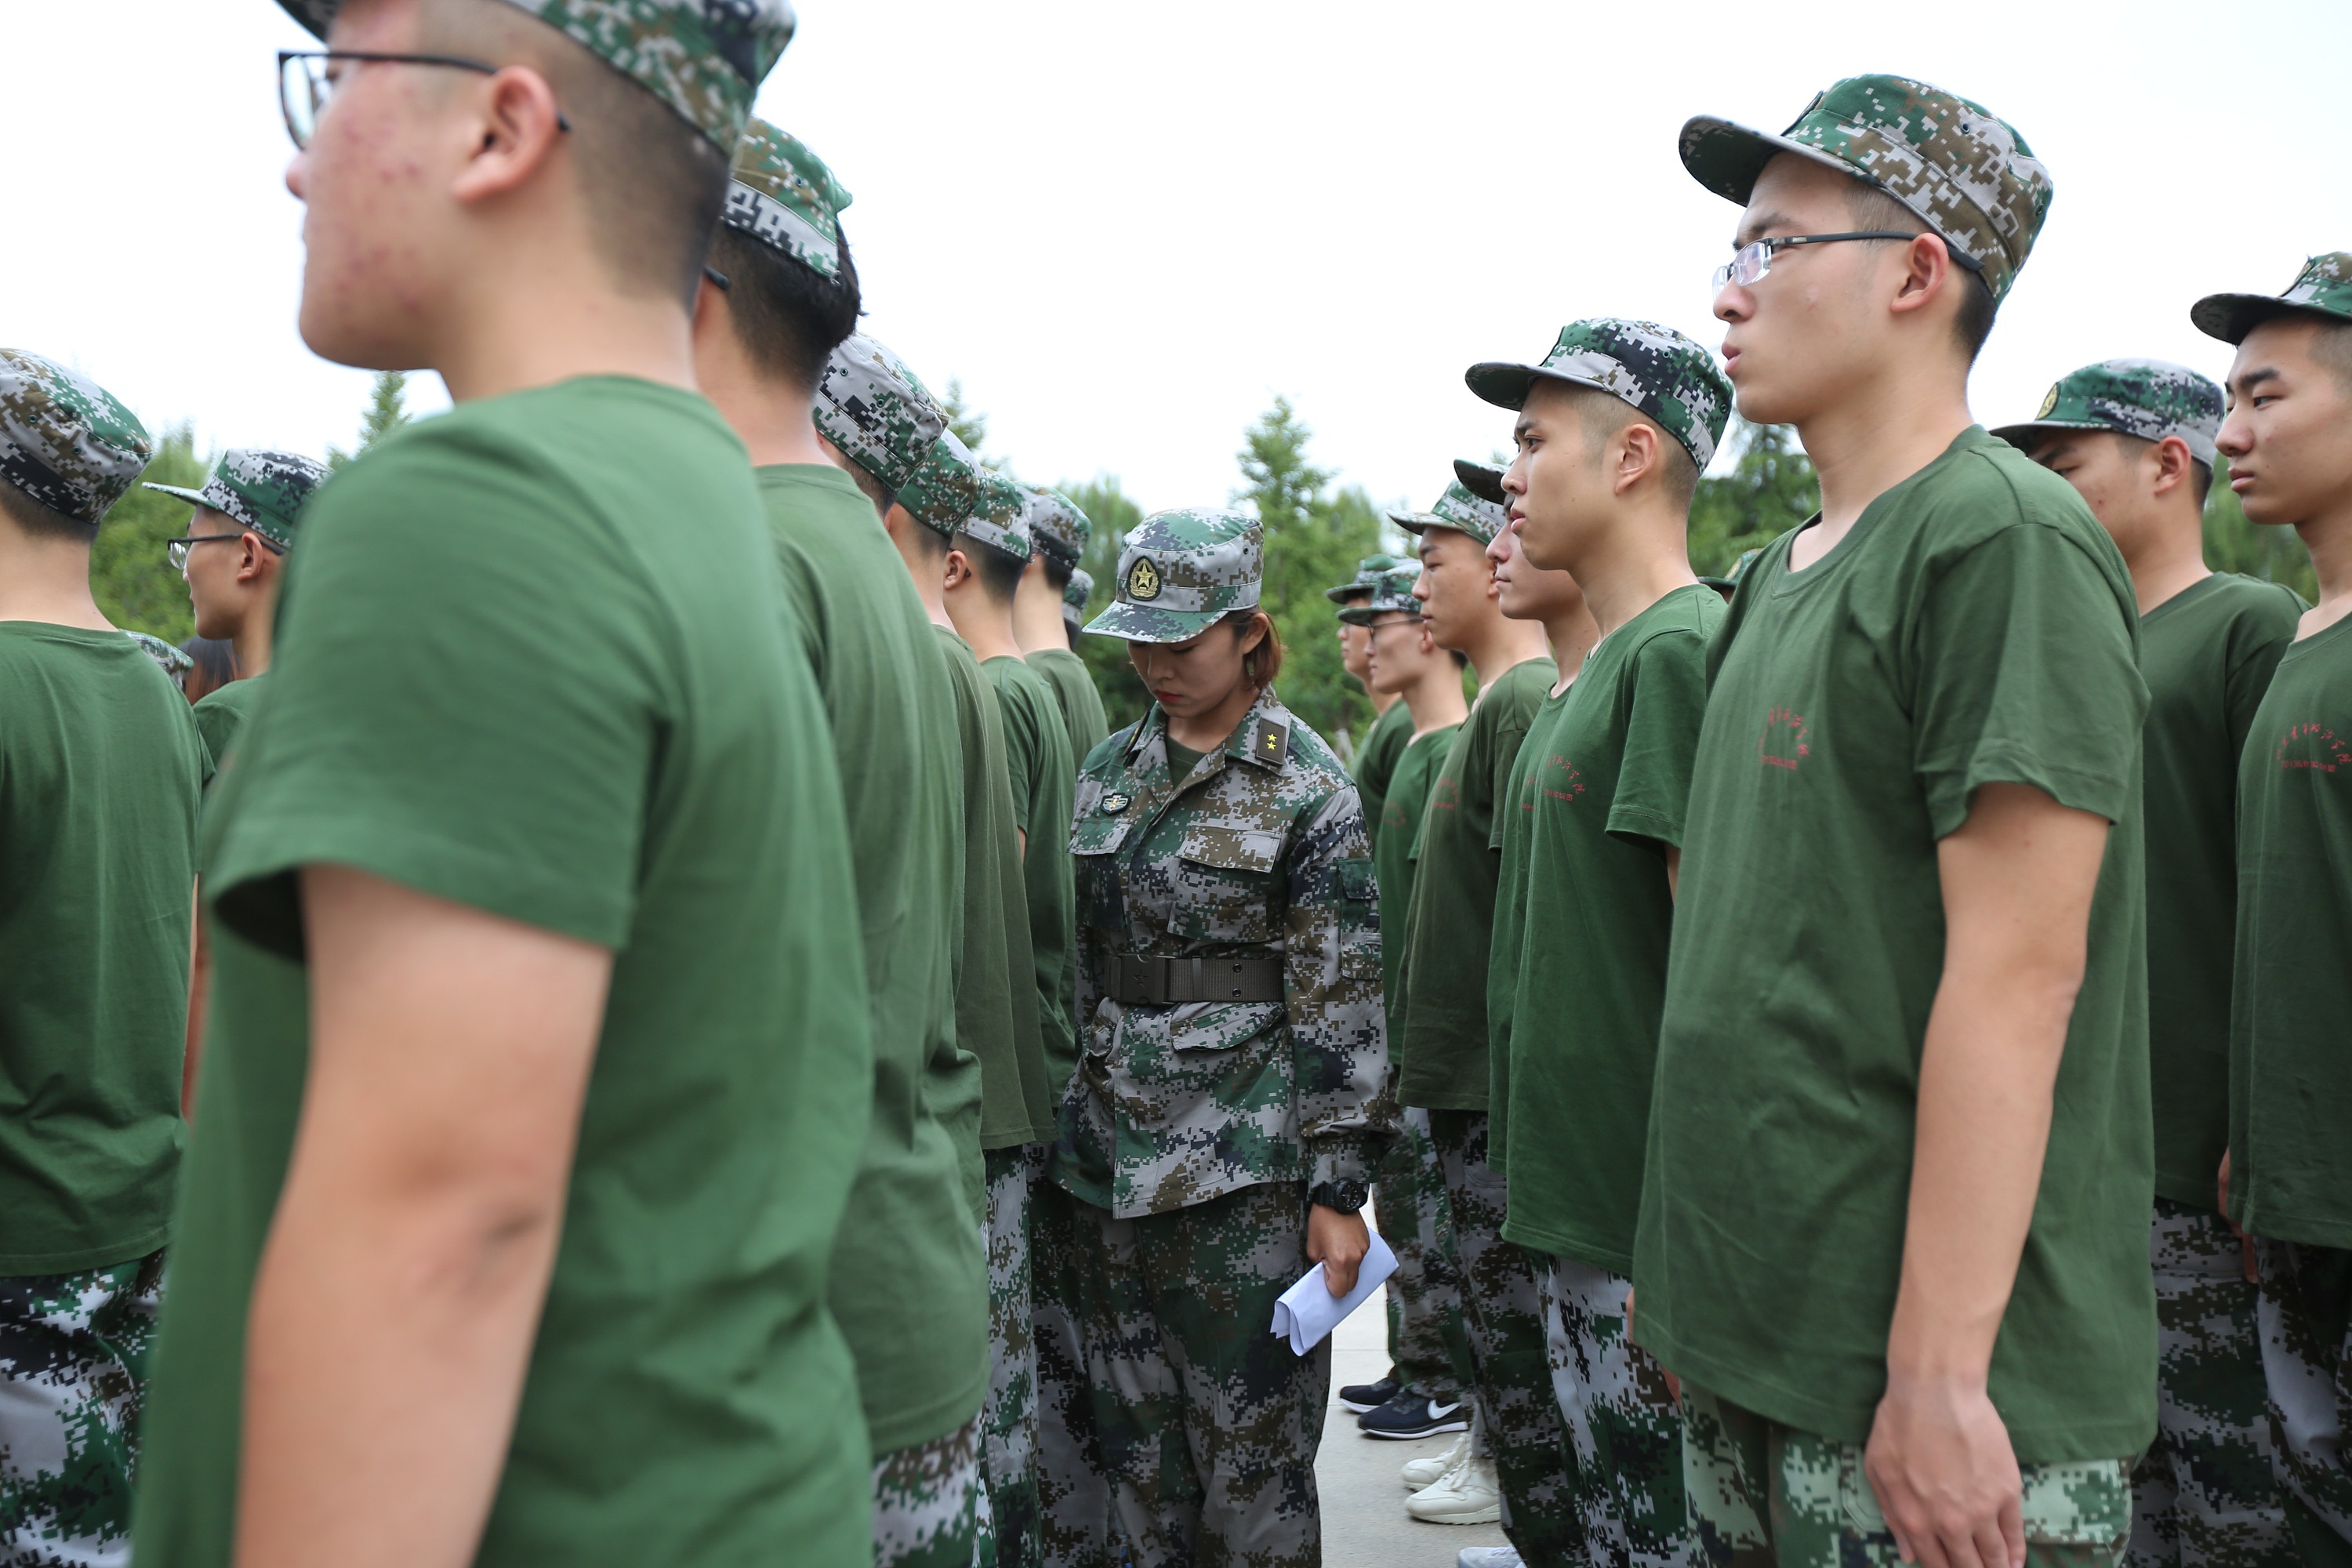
1480	481
2230	317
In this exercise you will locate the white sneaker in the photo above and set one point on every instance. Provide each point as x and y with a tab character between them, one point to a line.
1487	1557
1430	1468
1466	1494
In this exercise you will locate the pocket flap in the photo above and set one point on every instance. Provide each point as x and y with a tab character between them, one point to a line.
1231	849
1098	835
1220	1025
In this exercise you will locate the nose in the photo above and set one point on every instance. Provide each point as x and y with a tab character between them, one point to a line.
2236	437
297	175
1733	303
1421	586
1515	478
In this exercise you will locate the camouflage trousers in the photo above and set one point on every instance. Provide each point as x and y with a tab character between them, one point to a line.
929	1506
73	1370
1204	1423
1509	1356
1623	1424
1763	1495
2307	1329
1008	1444
1073	1488
2205	1496
1425	1298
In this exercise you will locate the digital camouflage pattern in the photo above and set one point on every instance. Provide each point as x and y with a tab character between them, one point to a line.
1000	515
1763	1495
1260	853
1057	527
1075	595
944	492
1206	1425
1459	509
1369	570
871	407
1389	593
63	440
2206	1495
1181	571
2148	398
1481	479
783	195
1508	1344
1962	170
2323	289
1008	1444
928	1504
73	1374
1623	1424
2306	1327
173	662
1424	1294
259	489
1654	370
704	58
1072	1487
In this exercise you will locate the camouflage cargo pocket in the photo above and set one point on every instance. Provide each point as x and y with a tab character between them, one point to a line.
1226	890
1359	929
2083	1503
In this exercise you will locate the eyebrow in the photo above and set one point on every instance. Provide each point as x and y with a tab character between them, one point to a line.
1522	426
2242	384
1758	225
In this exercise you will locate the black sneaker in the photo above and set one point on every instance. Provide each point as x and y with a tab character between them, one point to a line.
1414	1415
1362	1397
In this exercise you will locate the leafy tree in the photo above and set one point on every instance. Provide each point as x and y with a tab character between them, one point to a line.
968	425
1771	489
387	411
1114	515
131	576
2234	544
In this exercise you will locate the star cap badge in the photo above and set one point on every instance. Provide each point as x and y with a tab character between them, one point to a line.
1143	581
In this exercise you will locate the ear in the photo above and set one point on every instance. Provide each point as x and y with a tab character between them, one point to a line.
2173	465
955	571
1929	274
1634	455
252	557
516	131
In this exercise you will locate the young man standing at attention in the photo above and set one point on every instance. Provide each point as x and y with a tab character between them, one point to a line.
532	1097
1905	1017
1392	731
2134	438
2288	438
1058	532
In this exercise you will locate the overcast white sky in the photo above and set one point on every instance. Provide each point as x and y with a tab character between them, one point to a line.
1126	227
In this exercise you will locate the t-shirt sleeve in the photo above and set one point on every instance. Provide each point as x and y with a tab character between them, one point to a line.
466	698
2026	672
1665	699
2258	640
1020	746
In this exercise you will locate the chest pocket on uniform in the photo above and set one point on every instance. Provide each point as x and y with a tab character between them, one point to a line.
1232	890
1094	841
1359	934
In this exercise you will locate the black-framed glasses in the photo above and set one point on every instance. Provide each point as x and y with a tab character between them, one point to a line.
177	549
719	280
1399	619
1753	261
304	87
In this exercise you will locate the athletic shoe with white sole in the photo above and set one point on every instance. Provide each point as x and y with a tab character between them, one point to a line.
1362	1397
1430	1468
1466	1494
1487	1557
1414	1415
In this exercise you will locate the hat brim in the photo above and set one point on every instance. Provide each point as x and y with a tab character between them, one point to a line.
1361	615
1727	157
2010	433
2230	317
1149	623
1480	481
1506	386
1341	596
180	492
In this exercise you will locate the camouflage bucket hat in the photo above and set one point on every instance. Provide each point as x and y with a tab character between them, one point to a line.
1654	370
1000	515
779	194
262	490
1369	572
871	406
1391	593
2142	397
1456	509
1481	479
1962	170
1075	595
2324	288
1182	572
1056	526
943	492
704	58
173	661
63	440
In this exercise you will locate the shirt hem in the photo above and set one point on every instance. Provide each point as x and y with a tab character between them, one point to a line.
36	1265
937	1419
1557	1244
1446	1102
991	1142
2334	1233
2189	1191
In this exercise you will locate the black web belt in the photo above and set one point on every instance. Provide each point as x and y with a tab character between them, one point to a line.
1130	979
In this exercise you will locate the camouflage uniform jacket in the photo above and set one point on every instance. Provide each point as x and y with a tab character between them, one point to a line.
1260	853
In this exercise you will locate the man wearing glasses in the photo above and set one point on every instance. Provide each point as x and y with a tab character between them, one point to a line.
533	1097
1894	1215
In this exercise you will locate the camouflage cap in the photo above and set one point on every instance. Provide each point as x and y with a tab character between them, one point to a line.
1181	571
1960	169
2324	288
63	440
173	661
259	489
1369	572
782	195
1000	515
874	408
1456	509
943	491
1481	479
1654	368
2144	397
1391	591
1056	526
1076	593
704	58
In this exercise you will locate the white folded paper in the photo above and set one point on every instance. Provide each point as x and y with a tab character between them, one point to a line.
1307	1311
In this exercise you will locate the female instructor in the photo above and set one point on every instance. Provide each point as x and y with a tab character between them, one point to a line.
1232	1094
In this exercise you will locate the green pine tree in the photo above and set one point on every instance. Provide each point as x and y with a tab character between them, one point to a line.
130	575
1114	514
2234	544
1771	489
387	411
966	424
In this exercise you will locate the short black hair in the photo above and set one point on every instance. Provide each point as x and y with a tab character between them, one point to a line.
2332	347
1600	415
788	316
1057	570
1872	207
2200	472
42	522
929	542
999	570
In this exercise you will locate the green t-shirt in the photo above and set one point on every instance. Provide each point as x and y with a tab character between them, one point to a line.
2290	1066
1442	986
1607	775
909	1285
1976	626
1045	777
996	1019
1396	836
1376	764
598	726
1082	705
221	713
101	770
2207	654
1181	760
